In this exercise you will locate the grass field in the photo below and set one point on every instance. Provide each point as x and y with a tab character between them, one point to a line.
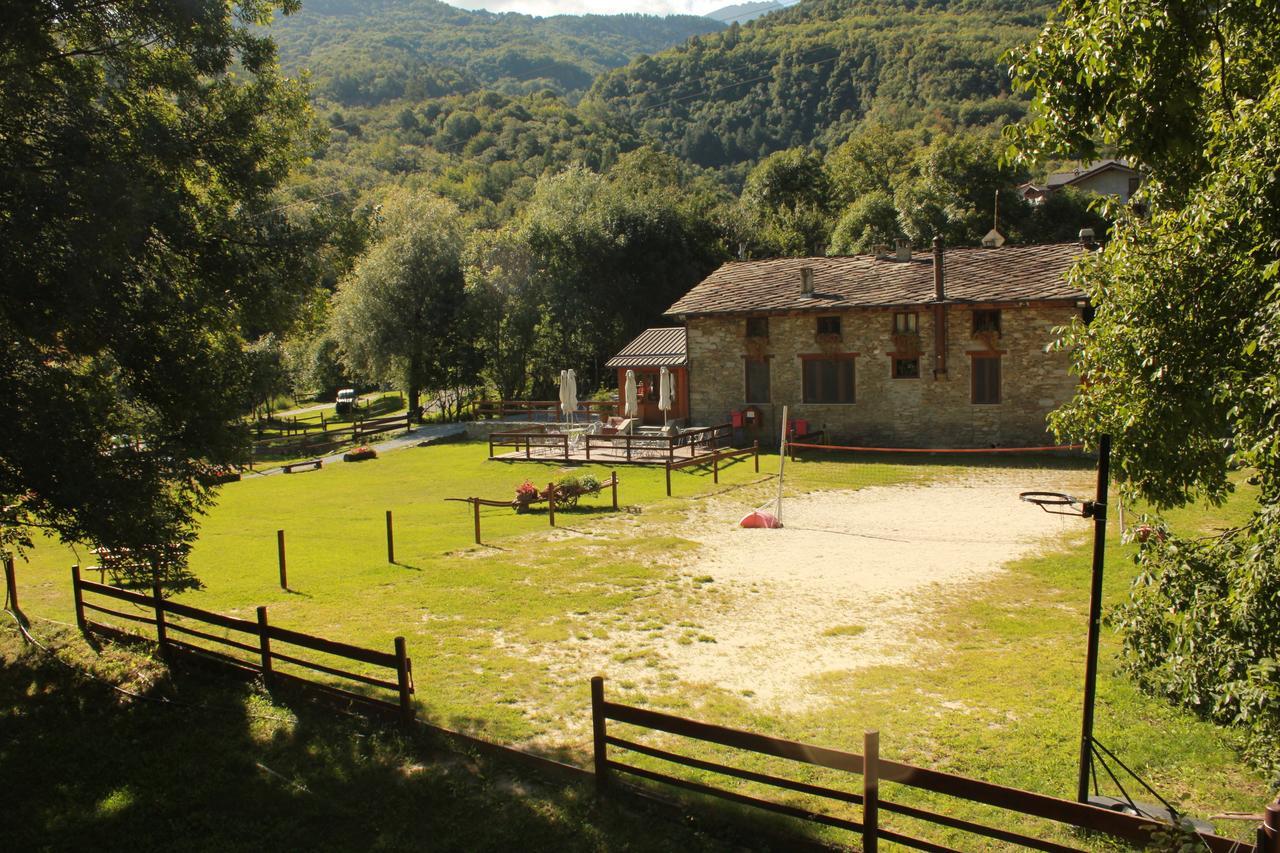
490	627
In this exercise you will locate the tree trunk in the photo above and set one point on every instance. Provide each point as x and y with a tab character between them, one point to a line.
414	393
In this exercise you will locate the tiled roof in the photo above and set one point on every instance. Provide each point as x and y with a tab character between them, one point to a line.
666	347
1061	179
971	275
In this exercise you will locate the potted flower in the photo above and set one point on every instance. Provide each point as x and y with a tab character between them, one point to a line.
359	454
526	493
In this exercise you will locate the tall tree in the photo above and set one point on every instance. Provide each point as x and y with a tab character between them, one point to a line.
140	144
1180	362
399	316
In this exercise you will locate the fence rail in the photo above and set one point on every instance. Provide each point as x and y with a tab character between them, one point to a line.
714	461
875	772
535	442
329	440
539	409
258	643
476	503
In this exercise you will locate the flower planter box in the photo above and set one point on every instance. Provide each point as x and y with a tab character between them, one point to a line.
360	454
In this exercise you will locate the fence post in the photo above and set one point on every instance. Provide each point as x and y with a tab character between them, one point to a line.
11	583
78	596
404	680
551	502
284	578
600	748
614	483
162	636
870	791
668	466
475	505
391	542
264	643
755	447
715	467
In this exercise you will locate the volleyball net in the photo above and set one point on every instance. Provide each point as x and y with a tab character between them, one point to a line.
861	465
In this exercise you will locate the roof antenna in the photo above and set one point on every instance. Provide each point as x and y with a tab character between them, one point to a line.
993	238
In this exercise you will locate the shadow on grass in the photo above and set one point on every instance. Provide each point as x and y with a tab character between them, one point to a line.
229	767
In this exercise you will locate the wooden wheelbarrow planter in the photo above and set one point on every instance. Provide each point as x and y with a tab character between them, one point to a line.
476	503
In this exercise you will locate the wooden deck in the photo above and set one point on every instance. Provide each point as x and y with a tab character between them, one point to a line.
537	444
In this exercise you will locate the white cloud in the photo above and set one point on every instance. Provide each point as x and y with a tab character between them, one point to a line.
595	7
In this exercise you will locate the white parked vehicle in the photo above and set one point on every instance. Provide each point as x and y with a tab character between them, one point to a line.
346	401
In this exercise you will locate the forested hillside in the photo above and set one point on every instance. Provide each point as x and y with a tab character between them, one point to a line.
828	127
810	73
371	51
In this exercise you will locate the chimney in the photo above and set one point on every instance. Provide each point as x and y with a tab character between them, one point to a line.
880	250
903	248
1086	237
806	281
939	288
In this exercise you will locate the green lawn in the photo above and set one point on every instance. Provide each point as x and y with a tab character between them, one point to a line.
997	696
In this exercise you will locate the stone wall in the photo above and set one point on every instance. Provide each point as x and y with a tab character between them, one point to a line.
921	412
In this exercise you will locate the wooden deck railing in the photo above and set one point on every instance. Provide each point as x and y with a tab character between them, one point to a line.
875	771
256	656
714	460
540	409
536	442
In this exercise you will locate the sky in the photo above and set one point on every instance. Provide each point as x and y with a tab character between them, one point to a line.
596	7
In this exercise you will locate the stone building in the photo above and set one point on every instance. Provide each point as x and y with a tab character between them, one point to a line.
941	349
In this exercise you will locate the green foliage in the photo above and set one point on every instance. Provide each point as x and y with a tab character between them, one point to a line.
140	245
1202	628
592	261
367	54
400	316
1179	363
809	74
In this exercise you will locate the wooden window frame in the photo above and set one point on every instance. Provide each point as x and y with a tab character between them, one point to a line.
746	380
894	358
851	357
913	323
829	318
988	313
755	334
998	358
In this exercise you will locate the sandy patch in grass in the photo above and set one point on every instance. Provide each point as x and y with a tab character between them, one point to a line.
849	582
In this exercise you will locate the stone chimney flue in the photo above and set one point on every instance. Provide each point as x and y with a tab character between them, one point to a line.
902	247
806	281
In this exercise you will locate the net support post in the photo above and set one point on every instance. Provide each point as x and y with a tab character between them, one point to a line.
1098	512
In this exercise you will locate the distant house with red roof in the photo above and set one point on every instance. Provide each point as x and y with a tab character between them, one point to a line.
948	348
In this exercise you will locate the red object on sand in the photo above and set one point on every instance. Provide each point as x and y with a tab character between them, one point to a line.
760	519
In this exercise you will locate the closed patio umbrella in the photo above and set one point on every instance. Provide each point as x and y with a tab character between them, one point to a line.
569	395
664	393
631	401
564	390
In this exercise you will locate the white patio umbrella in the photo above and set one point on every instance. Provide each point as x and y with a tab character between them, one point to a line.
664	393
564	390
569	395
631	401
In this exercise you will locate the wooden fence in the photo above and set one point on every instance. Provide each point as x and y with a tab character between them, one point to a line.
535	410
876	773
714	461
256	656
476	503
329	440
645	449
